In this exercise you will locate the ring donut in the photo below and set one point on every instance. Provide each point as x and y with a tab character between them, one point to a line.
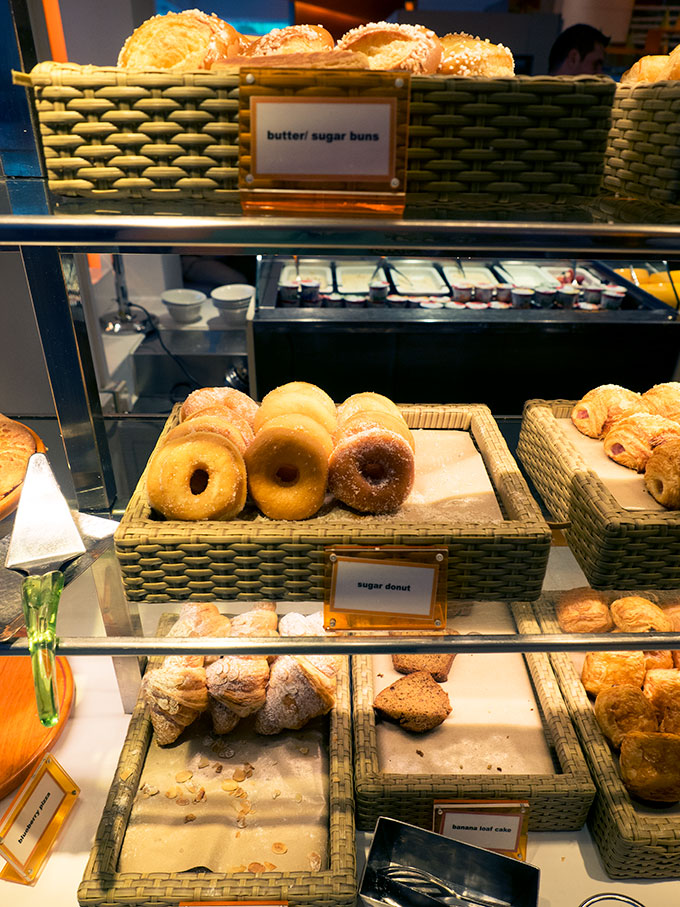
223	412
199	477
287	466
219	424
366	401
362	420
372	471
298	397
234	399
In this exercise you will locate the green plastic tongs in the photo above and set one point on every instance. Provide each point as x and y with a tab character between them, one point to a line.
44	540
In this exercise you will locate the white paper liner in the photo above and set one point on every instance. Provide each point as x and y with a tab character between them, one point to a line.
294	763
626	485
495	725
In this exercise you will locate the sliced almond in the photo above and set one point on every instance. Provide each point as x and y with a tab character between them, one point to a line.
200	795
190	817
203	762
182	801
241	821
276	793
240	793
125	774
298	798
314	861
245	808
256	867
172	792
217	767
239	775
241	868
228	784
183	776
270	867
278	847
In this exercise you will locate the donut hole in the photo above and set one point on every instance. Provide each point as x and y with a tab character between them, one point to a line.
287	475
198	481
374	472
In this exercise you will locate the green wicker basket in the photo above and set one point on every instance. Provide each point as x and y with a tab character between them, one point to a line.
252	557
615	548
110	133
104	886
559	801
643	151
634	842
528	140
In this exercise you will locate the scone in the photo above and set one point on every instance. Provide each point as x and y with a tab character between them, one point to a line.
621	709
416	701
606	669
583	610
650	765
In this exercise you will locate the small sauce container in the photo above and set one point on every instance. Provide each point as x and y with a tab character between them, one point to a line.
397	302
484	292
431	304
414	301
289	294
378	291
453	304
612	297
544	297
566	297
355	302
461	290
503	292
522	297
592	294
333	301
309	292
477	304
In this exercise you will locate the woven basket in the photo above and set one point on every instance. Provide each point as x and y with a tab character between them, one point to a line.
643	150
633	842
557	802
108	132
529	140
615	548
254	558
103	885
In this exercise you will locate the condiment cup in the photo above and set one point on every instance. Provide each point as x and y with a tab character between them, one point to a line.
184	305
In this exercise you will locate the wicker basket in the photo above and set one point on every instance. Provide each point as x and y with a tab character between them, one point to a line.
557	802
633	843
615	548
103	885
643	151
108	132
256	558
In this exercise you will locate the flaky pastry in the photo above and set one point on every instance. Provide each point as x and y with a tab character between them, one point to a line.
650	765
663	400
607	669
600	407
621	709
583	610
662	474
660	686
631	440
636	614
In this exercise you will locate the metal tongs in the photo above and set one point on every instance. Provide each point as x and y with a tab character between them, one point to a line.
411	887
382	266
44	540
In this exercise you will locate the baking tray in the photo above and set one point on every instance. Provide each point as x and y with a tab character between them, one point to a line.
475	273
416	278
559	799
255	558
634	842
309	269
616	548
104	886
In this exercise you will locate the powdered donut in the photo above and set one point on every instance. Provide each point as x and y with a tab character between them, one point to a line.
219	424
366	401
372	471
287	467
224	412
362	420
234	399
390	45
297	397
199	477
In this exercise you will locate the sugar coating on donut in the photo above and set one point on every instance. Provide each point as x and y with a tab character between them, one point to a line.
389	45
366	401
198	477
220	424
287	468
303	402
374	419
372	471
230	397
224	412
302	387
298	422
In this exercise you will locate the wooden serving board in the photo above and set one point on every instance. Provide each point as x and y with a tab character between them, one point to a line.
23	740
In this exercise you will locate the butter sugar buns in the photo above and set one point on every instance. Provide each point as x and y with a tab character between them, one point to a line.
293	39
465	55
390	45
181	42
649	68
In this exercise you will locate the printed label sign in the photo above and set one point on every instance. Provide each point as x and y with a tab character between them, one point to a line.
368	585
315	138
497	825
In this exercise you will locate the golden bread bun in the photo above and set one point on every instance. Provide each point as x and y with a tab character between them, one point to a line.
583	610
621	709
608	669
650	765
293	39
317	59
395	46
181	42
646	69
16	447
464	55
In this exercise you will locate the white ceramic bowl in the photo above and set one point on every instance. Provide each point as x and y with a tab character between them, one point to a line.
232	301
184	305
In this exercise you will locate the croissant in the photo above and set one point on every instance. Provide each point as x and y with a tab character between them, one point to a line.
294	624
239	682
663	400
224	719
201	619
260	621
662	474
600	407
631	440
176	694
298	691
635	614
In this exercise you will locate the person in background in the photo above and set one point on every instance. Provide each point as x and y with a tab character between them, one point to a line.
578	50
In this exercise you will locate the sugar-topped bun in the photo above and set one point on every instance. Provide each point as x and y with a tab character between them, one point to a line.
465	55
292	39
649	68
391	45
181	42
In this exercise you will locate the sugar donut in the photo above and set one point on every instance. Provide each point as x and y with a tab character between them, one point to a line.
199	477
234	399
366	401
297	397
372	471
287	466
465	55
362	420
292	39
220	424
223	412
390	45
